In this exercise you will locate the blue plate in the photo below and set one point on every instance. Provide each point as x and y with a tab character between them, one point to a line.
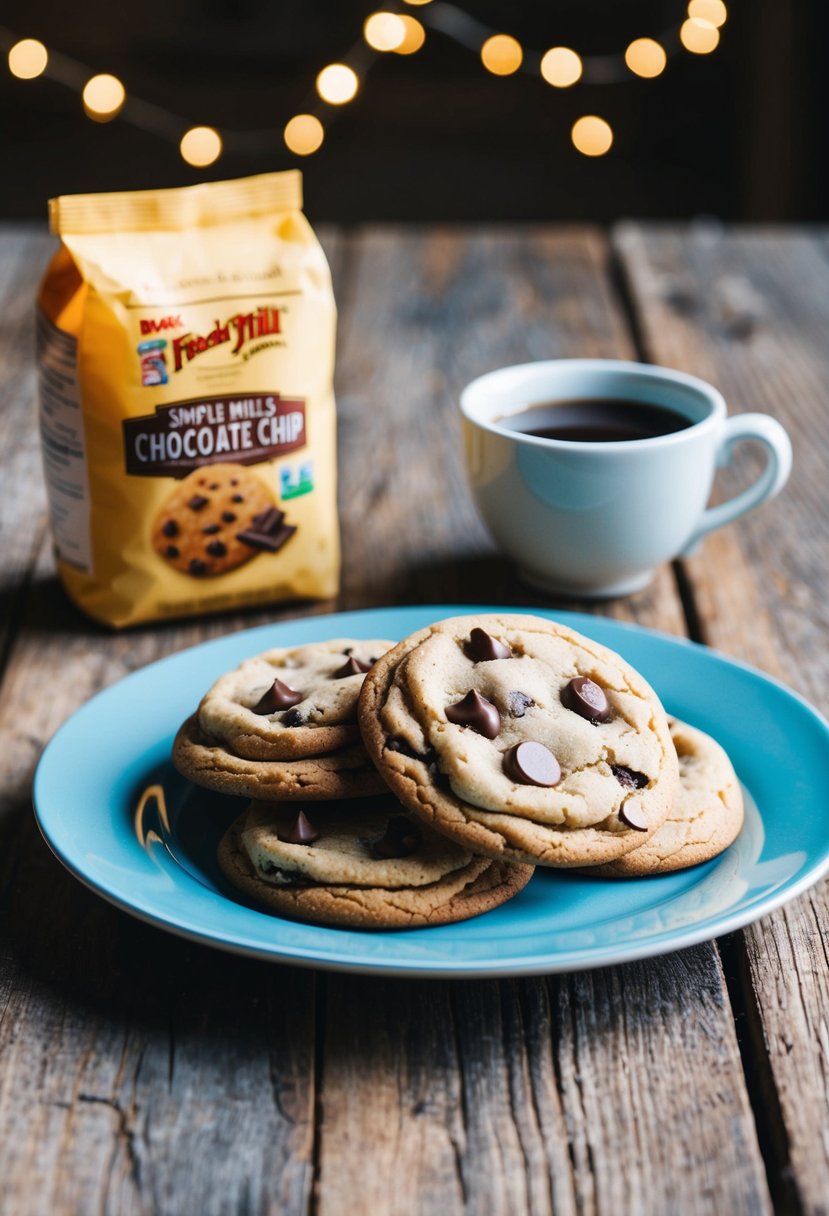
155	858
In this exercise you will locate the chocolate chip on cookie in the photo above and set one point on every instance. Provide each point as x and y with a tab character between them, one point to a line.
628	778
302	831
477	713
482	647
518	703
400	839
586	698
278	696
351	667
634	817
532	764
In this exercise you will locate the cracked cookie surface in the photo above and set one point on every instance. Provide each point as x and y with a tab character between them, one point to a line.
367	866
519	738
290	702
706	816
346	773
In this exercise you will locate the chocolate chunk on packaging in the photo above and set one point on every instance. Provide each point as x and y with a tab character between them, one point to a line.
186	358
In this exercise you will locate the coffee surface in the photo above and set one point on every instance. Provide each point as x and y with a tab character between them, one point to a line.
596	420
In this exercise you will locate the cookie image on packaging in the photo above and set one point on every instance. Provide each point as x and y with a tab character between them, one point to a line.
216	519
360	866
520	739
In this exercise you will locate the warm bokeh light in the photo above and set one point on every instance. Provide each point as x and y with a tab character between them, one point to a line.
28	58
697	38
415	36
384	31
337	84
418	1
201	146
592	136
713	12
561	67
502	55
304	134
103	97
646	57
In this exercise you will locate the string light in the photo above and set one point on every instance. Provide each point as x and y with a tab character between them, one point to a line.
28	59
712	11
646	57
502	55
384	31
591	135
103	96
337	84
697	38
415	36
561	67
304	134
201	146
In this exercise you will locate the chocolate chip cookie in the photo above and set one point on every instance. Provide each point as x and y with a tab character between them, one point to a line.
361	866
520	739
346	773
211	521
706	816
290	702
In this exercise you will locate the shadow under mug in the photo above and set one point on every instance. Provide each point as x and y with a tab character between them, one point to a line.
594	519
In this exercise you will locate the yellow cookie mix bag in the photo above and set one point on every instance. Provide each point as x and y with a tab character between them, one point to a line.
186	360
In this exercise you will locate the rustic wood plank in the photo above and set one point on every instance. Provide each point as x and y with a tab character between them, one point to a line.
530	1093
749	310
24	251
137	1072
149	1057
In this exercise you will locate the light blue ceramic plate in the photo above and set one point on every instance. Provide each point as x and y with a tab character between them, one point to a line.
92	774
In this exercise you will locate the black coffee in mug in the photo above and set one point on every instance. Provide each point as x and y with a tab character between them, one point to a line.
596	420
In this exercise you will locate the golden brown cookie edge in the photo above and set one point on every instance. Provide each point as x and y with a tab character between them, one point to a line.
491	884
445	813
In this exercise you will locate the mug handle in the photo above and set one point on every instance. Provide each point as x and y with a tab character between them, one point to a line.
774	476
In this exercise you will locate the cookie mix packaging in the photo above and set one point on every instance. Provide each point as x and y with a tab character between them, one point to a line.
186	356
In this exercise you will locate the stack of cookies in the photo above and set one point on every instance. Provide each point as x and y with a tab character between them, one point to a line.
436	773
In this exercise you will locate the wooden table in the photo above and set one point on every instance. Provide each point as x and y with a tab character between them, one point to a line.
140	1073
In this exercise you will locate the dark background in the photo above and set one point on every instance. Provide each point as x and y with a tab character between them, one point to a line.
738	134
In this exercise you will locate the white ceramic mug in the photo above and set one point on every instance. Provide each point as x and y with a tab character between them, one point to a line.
594	519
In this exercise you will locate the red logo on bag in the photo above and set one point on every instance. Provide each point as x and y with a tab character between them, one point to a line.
157	327
242	328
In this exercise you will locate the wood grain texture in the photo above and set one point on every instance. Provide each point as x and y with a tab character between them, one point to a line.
424	313
133	1067
24	251
750	310
142	1074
